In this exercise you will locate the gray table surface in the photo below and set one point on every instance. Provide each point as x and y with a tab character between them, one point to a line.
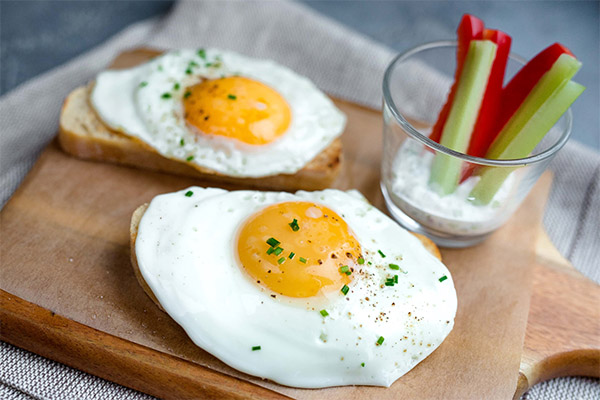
38	35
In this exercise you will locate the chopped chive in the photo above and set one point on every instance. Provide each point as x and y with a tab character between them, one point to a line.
202	54
292	254
142	84
380	341
369	262
190	158
394	266
176	86
389	282
345	270
182	142
395	278
271	250
294	225
188	71
166	95
345	289
361	260
278	251
281	260
362	364
193	64
443	278
324	313
273	242
254	348
303	260
231	96
187	94
189	193
381	253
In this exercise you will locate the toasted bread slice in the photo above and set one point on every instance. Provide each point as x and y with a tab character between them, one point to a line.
133	231
82	134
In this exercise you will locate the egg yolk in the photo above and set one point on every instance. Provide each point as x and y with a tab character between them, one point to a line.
298	249
237	108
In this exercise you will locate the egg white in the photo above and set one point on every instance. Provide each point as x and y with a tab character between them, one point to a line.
185	249
131	101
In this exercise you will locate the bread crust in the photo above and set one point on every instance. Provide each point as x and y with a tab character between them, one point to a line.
82	134
133	230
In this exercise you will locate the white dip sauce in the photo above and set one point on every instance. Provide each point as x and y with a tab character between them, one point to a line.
453	213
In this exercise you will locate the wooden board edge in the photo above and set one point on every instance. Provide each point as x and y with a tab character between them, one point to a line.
43	332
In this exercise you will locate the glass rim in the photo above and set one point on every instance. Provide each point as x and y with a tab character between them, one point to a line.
415	134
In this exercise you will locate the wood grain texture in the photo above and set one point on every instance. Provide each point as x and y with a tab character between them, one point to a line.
41	331
563	330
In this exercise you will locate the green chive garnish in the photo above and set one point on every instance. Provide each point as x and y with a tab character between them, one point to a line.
142	84
181	142
273	242
271	250
294	225
389	282
188	71
361	260
278	251
443	278
231	96
292	254
187	94
395	278
324	313
380	341
381	254
345	270
281	260
190	158
202	54
189	193
254	348
303	260
193	64
176	86
166	95
362	364
394	266
345	289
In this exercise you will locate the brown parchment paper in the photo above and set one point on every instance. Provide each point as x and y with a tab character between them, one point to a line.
65	246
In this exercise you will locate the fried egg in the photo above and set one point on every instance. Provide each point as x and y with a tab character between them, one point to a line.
310	290
220	110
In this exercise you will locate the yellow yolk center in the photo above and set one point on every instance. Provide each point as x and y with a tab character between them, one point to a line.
321	243
237	108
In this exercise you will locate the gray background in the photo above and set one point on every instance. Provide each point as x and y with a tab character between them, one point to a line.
38	35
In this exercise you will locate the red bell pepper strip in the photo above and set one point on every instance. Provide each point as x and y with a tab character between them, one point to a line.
470	28
523	82
513	95
483	133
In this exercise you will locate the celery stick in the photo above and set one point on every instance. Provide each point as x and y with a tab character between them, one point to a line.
511	143
529	134
445	170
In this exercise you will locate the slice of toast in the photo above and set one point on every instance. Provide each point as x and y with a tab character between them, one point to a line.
133	231
82	134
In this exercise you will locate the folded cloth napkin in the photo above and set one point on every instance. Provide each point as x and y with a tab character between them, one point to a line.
342	63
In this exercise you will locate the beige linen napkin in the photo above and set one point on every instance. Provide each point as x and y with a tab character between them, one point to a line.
342	63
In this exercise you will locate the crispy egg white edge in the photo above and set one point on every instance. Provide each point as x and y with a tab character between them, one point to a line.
141	112
208	320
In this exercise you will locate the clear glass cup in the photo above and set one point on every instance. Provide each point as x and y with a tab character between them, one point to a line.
415	87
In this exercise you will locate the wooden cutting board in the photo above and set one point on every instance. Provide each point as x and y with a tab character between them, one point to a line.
57	217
